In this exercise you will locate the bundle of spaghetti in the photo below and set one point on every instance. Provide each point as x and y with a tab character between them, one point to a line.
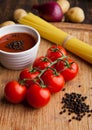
58	36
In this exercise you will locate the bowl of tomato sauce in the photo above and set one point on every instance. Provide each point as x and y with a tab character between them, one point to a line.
19	45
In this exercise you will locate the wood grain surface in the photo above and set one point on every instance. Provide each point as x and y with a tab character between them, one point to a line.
23	117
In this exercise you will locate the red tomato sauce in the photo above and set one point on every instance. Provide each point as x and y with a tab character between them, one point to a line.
17	42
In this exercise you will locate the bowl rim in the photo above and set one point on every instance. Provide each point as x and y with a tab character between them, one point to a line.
19	25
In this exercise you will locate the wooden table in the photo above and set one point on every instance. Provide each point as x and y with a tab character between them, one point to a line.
23	117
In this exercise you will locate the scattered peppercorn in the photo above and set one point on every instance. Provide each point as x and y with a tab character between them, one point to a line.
89	115
69	113
74	103
79	86
69	120
61	112
63	89
64	110
91	111
73	117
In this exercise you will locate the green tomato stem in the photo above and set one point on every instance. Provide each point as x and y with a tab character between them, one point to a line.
54	62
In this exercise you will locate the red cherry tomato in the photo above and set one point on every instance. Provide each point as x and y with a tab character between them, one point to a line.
42	62
55	52
37	96
14	92
68	68
28	75
53	80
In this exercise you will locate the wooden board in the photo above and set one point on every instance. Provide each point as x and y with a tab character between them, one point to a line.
22	117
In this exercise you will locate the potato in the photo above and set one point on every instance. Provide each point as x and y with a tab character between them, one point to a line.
64	4
75	14
7	23
19	13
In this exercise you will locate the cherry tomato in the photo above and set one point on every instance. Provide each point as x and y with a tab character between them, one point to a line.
53	80
68	68
55	52
28	75
14	92
42	62
37	96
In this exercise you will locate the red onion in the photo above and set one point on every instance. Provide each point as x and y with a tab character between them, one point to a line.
50	11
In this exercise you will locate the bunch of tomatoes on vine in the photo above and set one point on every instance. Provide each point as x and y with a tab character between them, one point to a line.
45	77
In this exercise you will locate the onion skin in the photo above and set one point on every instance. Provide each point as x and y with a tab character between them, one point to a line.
50	11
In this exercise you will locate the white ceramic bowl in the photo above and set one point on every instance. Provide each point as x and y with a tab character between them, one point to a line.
19	60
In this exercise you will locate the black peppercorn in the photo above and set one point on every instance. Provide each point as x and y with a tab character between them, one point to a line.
74	103
17	45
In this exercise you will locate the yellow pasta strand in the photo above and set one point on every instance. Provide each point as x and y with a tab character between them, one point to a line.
44	31
57	36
